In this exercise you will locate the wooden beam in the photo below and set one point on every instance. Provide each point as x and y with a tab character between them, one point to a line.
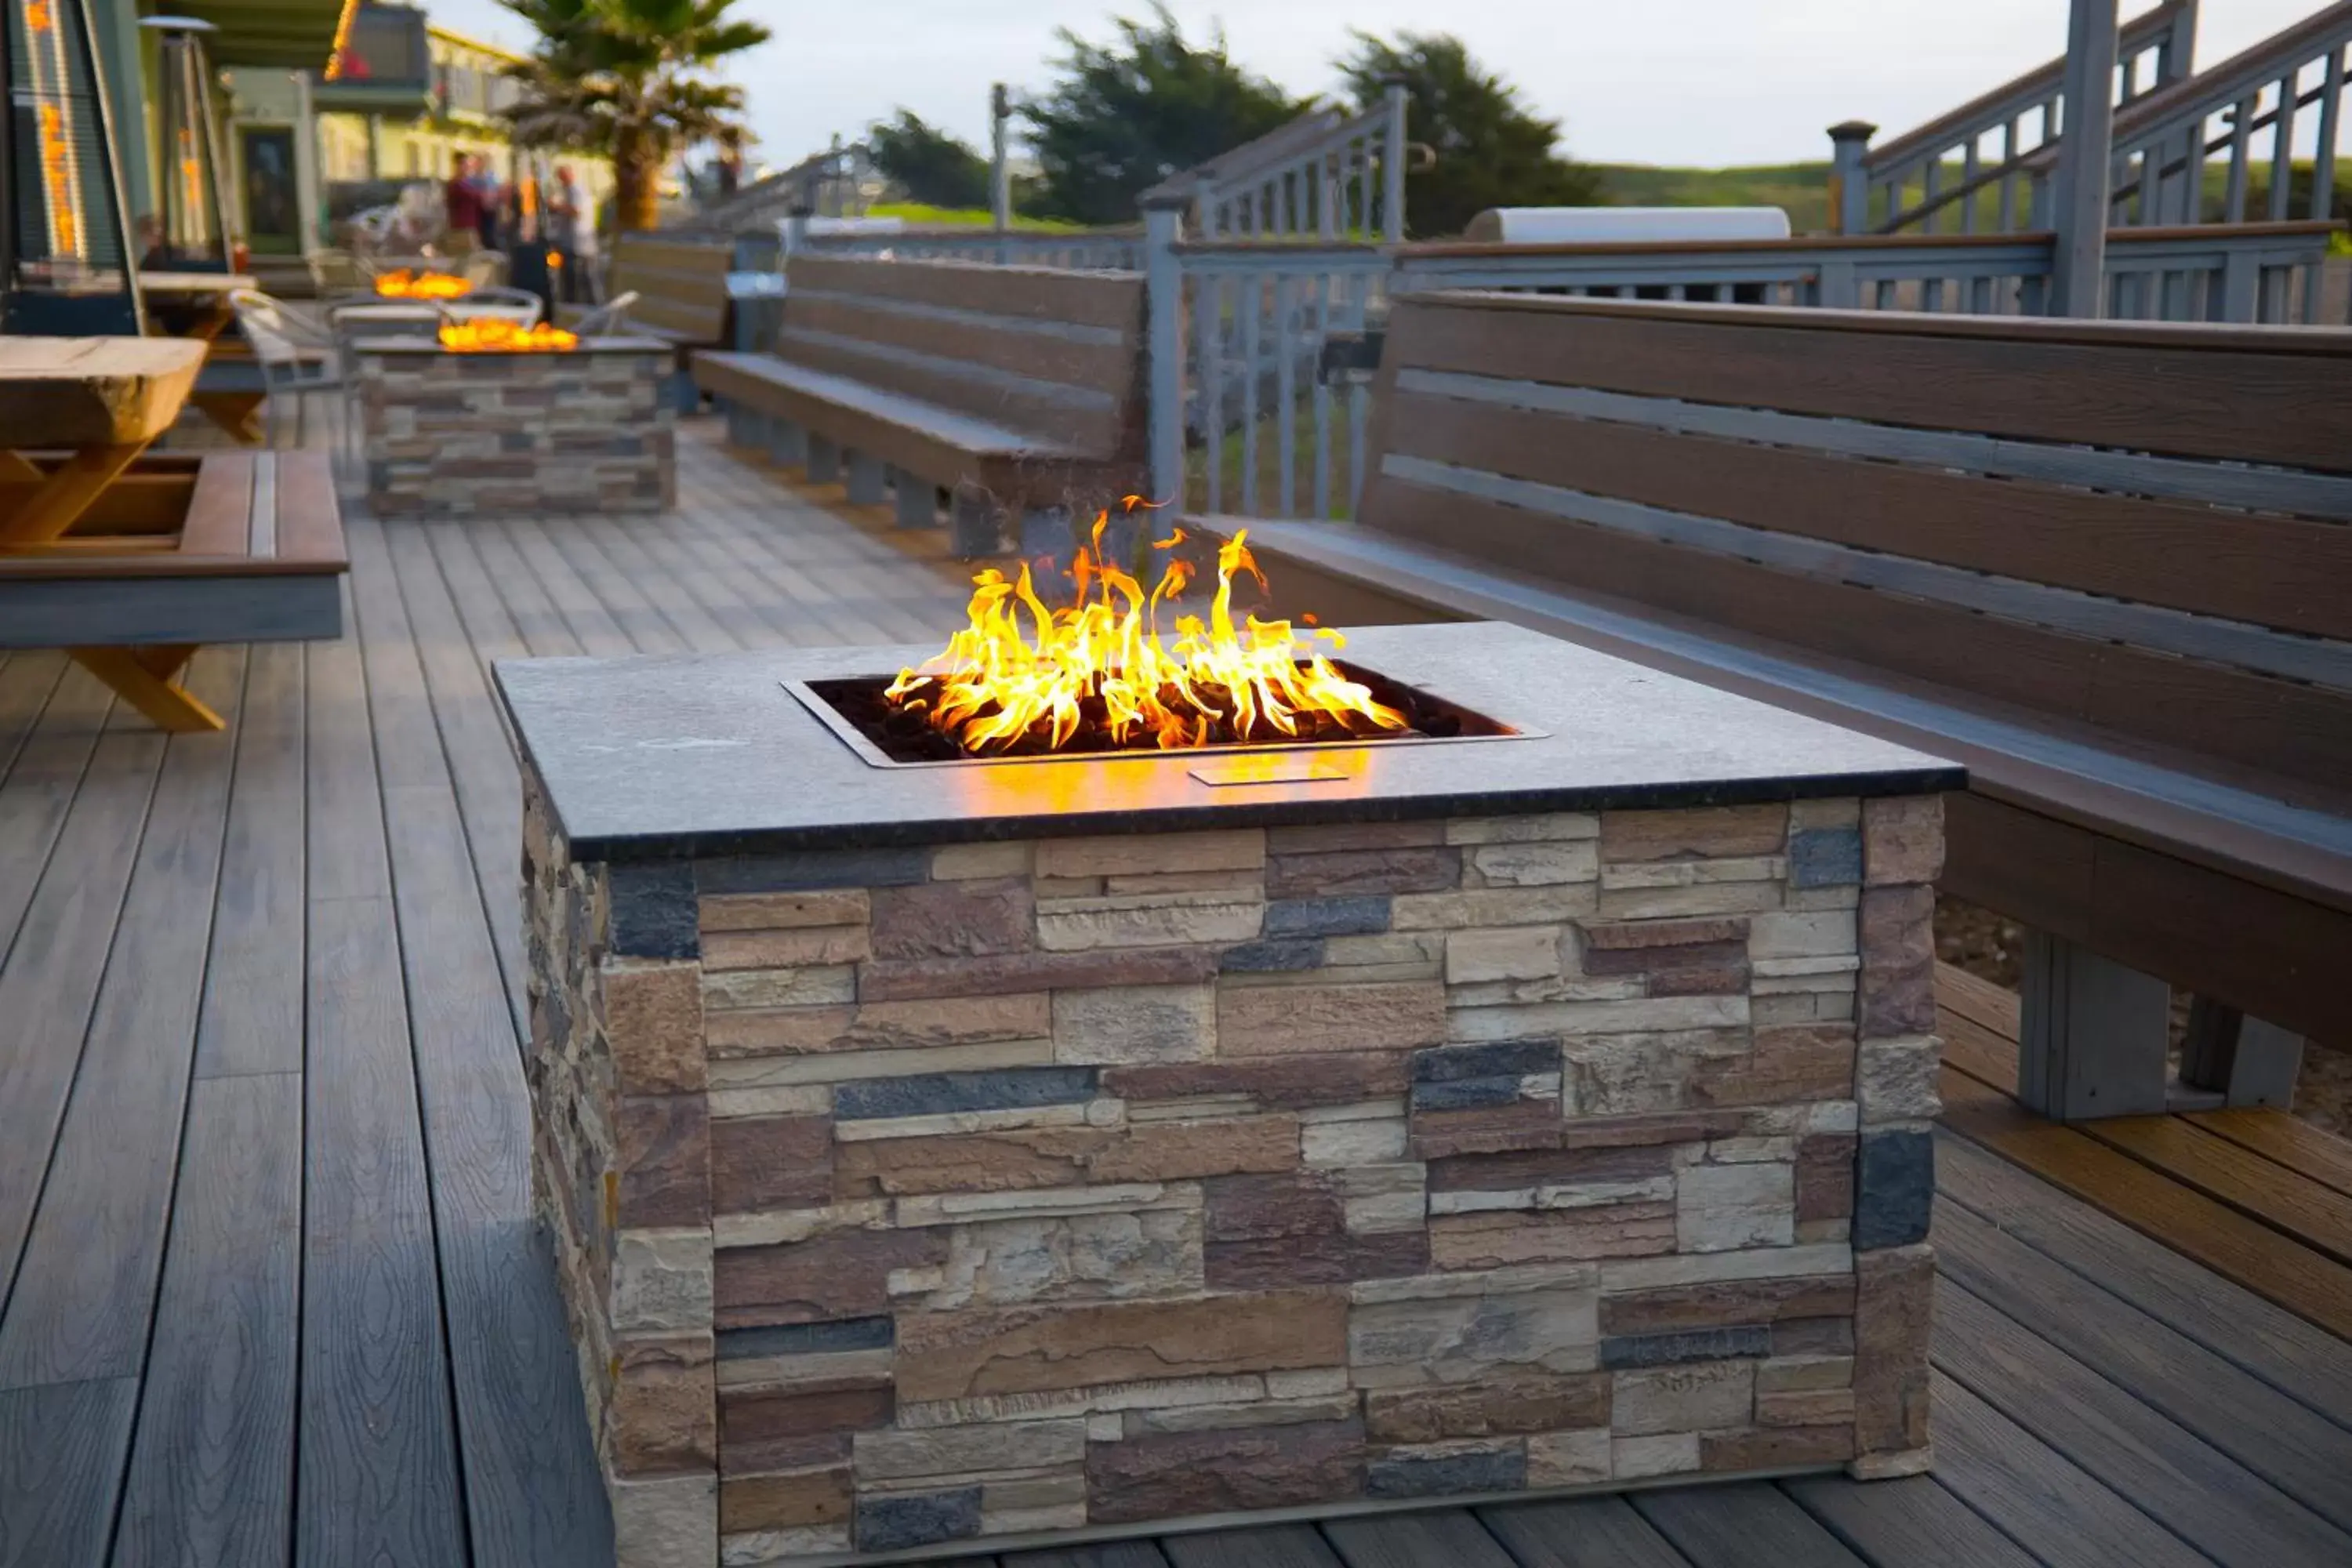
148	678
66	493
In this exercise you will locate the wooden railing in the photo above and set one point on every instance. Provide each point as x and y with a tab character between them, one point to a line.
1326	175
1260	407
1964	170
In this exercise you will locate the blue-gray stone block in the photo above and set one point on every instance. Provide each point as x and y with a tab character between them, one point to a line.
807	868
1825	857
805	1339
1326	917
1514	1058
1453	1475
1893	1189
653	913
1260	957
1690	1344
940	1093
1465	1093
897	1523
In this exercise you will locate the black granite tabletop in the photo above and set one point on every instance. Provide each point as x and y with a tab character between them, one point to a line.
682	756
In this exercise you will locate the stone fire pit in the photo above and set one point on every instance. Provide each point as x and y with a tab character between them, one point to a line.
964	1154
465	435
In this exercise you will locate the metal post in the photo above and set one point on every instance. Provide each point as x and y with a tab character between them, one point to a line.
1163	225
2079	263
1393	160
1849	179
309	205
999	171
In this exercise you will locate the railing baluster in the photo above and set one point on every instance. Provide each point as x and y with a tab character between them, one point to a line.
2007	222
1322	405
2234	203
2322	163
1931	294
1208	301
1286	387
2283	146
1253	307
1359	401
1970	163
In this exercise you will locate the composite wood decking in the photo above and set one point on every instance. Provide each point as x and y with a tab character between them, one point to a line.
270	1293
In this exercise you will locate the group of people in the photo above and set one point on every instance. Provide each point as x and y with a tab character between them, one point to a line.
501	216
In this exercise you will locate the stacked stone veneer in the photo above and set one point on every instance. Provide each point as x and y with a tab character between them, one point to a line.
465	435
904	1196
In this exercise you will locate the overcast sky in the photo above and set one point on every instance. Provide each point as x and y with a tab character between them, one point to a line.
1708	82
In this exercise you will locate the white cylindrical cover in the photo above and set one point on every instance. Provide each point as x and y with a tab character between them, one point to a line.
1603	225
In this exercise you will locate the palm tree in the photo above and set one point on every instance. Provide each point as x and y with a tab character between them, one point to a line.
624	79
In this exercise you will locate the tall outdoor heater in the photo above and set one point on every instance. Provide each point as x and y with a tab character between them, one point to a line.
198	233
67	266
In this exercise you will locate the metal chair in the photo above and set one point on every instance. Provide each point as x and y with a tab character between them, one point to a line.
507	301
297	355
607	318
484	269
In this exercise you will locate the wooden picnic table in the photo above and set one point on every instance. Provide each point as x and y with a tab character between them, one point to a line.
195	305
101	401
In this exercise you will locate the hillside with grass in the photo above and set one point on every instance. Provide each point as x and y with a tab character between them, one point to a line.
1799	189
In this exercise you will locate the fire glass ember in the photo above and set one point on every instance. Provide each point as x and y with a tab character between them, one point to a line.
403	284
1099	674
498	335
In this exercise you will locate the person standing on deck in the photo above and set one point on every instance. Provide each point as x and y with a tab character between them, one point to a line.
461	202
574	216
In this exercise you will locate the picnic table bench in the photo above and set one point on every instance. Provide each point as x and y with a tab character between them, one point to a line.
131	561
681	289
2106	566
1017	389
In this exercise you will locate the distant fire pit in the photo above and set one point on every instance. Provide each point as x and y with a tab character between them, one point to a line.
1017	1149
499	423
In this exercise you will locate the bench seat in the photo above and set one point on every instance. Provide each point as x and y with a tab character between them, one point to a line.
257	555
2107	566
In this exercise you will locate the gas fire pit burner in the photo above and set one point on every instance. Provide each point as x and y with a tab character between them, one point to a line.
884	735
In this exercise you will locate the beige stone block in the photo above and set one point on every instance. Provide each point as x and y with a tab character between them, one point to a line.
1897	1079
880	1025
1805	1408
1568	1458
671	1522
1902	840
1667	1454
1803	1374
1556	988
1798	1008
968	1450
780	987
758	1548
777	1226
1538	828
1290	1020
1105	1428
1724	1208
779	1099
1132	1025
976	862
792	947
1352	1144
1621	1276
1648	1016
1693	873
1810	933
1712	832
960	1355
1097	1399
1503	1239
1887	1466
1306	1384
944	1208
1394	950
1708	899
1466	1339
1574	1276
1518	953
1492	907
769	911
1845	896
1147	920
1127	855
1638	1074
653	1026
1652	1401
1536	865
849	1066
1184	882
1842	811
661	1281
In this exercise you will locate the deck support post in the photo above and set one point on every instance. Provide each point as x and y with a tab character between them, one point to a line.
742	425
2078	263
820	457
787	442
865	479
2244	1060
973	529
918	499
2093	1034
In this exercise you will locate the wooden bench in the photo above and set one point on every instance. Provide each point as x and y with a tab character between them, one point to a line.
681	289
1017	389
231	547
2106	566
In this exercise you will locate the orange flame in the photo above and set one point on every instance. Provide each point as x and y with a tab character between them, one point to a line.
403	284
498	334
1102	663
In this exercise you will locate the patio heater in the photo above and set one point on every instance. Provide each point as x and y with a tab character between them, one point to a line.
198	233
65	261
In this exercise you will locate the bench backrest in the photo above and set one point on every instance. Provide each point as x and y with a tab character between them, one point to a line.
681	285
1053	353
2143	528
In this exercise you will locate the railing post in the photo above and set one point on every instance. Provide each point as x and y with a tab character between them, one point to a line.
2079	264
999	171
1163	273
1849	179
1392	160
2176	58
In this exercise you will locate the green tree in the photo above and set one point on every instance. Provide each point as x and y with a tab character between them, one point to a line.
1127	113
1491	152
628	79
928	164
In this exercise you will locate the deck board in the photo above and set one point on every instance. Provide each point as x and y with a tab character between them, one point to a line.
357	1355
